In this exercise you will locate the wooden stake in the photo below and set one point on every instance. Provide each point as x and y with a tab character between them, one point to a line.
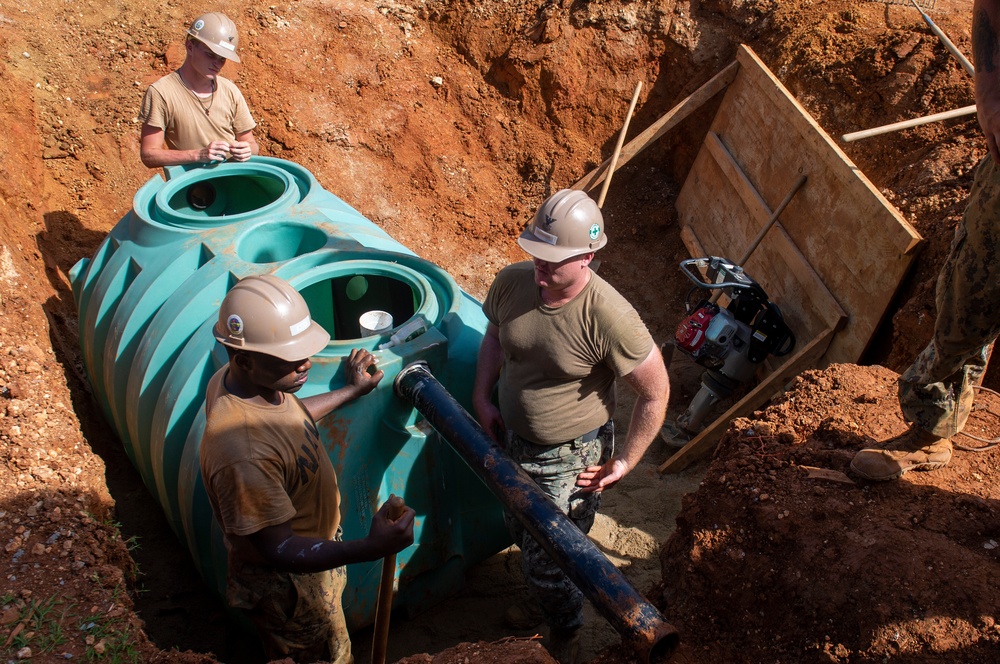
668	121
906	124
618	147
380	635
947	42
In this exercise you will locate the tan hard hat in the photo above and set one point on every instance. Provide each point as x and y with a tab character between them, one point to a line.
265	314
218	33
568	224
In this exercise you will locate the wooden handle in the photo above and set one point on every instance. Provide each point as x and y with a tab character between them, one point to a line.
906	124
948	44
396	507
383	608
618	146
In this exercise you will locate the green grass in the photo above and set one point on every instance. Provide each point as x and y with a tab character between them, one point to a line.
114	639
46	622
43	624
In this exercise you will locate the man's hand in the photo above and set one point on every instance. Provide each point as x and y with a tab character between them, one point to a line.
216	151
363	373
490	419
596	479
361	377
240	151
387	536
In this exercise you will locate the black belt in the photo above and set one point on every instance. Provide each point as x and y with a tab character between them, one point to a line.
591	435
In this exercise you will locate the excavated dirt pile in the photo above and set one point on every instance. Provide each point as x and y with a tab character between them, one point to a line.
780	556
447	122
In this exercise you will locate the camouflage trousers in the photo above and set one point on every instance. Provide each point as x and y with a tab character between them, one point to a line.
936	393
554	469
298	616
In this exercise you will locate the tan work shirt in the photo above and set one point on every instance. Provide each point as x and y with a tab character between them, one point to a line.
263	466
171	106
560	363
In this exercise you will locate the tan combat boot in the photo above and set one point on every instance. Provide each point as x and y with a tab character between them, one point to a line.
914	450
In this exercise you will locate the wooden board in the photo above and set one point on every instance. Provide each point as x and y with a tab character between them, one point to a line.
839	248
833	260
807	355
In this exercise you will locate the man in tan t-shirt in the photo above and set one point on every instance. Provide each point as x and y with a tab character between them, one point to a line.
270	482
558	338
193	115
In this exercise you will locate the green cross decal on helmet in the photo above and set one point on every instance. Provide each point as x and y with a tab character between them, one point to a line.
567	224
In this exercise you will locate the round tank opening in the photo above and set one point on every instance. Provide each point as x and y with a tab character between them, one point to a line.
201	196
228	195
339	303
279	241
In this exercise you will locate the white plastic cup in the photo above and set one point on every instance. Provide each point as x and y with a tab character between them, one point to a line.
375	323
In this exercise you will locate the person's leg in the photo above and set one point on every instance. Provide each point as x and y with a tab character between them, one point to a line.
936	391
555	469
300	617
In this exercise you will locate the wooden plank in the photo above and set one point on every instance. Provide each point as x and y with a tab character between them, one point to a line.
810	287
737	178
838	234
691	242
667	121
819	143
705	441
806	304
765	157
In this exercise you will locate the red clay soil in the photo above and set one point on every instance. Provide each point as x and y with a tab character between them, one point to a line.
780	556
447	122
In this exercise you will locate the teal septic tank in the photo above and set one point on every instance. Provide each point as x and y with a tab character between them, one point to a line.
147	302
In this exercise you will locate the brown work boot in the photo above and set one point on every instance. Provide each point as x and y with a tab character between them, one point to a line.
523	615
564	645
914	450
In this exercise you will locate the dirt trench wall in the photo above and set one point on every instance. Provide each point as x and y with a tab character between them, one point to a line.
444	122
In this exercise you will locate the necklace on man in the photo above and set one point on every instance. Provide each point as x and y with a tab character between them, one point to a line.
201	100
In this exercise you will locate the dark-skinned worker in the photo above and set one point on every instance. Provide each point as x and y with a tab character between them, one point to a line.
558	338
936	391
194	115
270	482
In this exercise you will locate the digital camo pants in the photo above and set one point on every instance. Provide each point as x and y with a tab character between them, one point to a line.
554	469
935	393
298	616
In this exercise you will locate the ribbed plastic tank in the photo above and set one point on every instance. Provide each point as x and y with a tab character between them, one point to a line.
148	299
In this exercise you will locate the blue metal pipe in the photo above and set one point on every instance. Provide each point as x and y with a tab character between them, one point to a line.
641	625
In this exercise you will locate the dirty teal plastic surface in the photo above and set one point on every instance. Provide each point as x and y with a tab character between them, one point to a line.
148	300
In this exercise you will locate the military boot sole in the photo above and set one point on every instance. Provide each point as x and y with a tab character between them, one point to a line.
916	465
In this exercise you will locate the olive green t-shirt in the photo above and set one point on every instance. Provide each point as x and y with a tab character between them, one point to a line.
169	105
560	363
263	466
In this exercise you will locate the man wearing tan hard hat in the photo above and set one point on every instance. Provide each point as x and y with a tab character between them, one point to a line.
194	115
558	338
270	482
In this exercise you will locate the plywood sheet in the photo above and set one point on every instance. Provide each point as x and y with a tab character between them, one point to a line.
838	249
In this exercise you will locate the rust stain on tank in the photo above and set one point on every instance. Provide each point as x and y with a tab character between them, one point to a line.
333	434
